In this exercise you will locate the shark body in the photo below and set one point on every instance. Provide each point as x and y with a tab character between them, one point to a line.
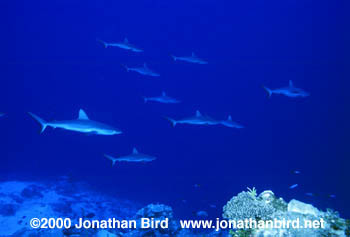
142	70
198	119
162	99
123	45
135	156
83	125
289	91
191	59
231	124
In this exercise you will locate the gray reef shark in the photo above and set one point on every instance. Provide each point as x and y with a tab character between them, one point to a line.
82	124
191	59
142	70
231	124
123	45
135	156
198	119
162	99
289	91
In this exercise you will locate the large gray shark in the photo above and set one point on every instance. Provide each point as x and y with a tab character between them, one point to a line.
231	124
198	119
123	45
142	70
162	99
135	156
83	125
191	59
289	91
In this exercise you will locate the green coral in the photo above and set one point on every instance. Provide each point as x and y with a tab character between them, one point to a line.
252	192
242	233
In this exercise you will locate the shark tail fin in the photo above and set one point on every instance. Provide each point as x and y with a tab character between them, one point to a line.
111	159
174	57
126	67
102	42
269	91
42	122
173	121
105	44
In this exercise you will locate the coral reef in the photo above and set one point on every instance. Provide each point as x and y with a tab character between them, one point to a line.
267	206
21	201
158	211
246	205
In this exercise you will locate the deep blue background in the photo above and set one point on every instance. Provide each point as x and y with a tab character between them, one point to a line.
51	65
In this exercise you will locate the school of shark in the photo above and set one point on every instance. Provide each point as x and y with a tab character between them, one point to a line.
83	124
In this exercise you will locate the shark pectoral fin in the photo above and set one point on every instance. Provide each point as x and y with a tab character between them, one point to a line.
42	122
91	133
174	57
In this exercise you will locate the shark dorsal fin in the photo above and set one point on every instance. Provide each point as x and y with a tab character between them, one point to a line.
290	83
193	54
229	118
134	151
82	115
198	114
163	93
145	65
126	40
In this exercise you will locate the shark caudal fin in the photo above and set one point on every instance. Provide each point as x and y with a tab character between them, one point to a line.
126	67
111	159
173	121
174	57
269	91
105	44
42	122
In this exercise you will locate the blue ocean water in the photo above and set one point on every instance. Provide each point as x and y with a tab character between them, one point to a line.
52	65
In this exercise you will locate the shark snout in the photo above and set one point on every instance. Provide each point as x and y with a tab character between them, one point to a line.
116	132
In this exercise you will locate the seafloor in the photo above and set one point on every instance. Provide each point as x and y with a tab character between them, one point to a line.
20	201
